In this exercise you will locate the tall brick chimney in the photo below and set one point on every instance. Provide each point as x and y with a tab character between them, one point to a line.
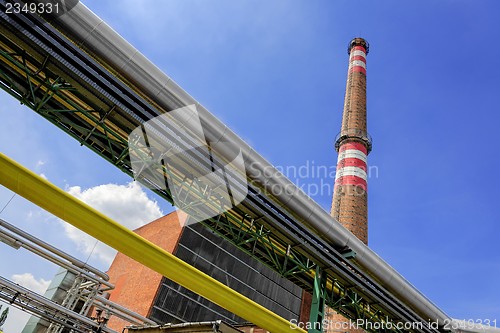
349	204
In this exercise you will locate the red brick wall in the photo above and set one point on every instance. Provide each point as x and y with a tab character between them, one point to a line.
350	208
305	307
136	285
354	116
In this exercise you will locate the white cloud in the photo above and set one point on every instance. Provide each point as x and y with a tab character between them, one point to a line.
27	280
126	204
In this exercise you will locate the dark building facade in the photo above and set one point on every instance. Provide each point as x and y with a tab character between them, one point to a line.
220	259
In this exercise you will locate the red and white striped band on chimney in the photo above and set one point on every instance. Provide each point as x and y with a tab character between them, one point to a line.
357	61
351	165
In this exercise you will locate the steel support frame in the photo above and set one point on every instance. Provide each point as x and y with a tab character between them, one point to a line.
26	301
42	88
317	314
79	298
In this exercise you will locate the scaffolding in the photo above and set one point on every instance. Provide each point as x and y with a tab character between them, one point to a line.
86	291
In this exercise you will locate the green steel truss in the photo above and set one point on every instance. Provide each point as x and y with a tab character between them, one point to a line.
38	81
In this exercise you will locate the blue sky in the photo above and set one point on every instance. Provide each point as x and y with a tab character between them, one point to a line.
275	72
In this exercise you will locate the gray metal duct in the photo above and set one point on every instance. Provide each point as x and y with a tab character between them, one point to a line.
93	35
17	238
41	306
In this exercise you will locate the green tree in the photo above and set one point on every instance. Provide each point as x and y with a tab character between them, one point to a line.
3	317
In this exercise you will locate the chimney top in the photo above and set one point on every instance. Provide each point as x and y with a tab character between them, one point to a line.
358	41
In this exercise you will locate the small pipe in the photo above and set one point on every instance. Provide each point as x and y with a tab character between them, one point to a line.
120	308
29	295
49	254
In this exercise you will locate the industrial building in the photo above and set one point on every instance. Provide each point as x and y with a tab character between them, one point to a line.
253	267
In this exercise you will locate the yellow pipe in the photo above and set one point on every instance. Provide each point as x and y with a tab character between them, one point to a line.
61	204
